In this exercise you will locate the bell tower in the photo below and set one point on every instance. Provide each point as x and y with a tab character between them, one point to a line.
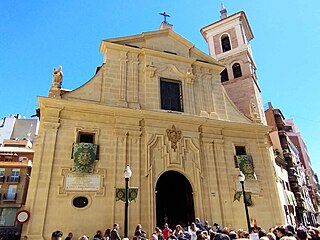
228	40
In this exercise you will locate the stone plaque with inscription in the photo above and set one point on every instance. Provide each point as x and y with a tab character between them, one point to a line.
82	182
249	186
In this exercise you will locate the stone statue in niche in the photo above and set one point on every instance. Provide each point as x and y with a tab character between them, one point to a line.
57	77
174	136
254	113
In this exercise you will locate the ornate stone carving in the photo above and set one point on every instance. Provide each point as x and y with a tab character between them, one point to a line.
189	76
174	136
150	70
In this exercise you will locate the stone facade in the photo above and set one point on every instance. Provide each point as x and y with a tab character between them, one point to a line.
121	107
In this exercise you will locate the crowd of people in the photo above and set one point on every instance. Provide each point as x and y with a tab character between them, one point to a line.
204	231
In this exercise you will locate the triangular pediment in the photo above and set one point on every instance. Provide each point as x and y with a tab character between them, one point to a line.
164	40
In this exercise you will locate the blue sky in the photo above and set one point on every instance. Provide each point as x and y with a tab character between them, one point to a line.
36	36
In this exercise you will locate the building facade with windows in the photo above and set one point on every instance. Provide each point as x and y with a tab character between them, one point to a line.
17	136
15	170
310	185
301	210
158	105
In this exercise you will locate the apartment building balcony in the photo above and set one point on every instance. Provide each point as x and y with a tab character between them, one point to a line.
9	197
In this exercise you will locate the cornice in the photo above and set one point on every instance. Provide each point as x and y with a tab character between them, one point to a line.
160	115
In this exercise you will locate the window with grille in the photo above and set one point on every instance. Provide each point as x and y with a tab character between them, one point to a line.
171	95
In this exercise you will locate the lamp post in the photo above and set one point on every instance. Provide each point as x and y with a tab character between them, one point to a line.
127	175
241	178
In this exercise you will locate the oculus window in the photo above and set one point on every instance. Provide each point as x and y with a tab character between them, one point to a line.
171	95
80	202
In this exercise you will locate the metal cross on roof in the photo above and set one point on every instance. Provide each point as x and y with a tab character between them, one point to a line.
165	15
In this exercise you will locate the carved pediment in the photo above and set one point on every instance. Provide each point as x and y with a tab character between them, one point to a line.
184	75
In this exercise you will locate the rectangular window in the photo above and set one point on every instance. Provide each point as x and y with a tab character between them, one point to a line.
8	217
2	177
288	128
85	137
15	175
171	95
240	150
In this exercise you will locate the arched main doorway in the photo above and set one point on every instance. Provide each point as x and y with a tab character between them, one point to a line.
174	200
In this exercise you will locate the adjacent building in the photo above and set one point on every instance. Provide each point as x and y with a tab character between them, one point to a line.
310	176
16	154
301	207
156	104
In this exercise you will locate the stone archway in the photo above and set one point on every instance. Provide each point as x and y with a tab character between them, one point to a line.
174	200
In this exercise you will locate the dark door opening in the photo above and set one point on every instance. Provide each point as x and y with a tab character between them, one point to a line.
174	200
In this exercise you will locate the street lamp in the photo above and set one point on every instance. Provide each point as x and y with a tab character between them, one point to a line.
127	175
241	178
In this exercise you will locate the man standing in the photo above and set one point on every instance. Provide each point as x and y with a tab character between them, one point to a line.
114	233
166	231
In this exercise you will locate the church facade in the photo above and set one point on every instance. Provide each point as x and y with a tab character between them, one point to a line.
156	104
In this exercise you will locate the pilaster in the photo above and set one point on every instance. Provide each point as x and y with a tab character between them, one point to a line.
37	201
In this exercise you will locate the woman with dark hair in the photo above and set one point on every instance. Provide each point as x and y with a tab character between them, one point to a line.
139	232
107	234
98	235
